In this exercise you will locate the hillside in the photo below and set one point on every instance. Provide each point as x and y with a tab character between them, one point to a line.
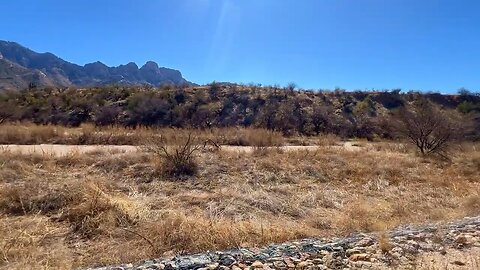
348	114
21	67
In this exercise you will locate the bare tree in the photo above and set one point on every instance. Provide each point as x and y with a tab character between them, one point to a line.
427	127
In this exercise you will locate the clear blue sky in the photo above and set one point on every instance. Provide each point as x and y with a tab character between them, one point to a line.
353	44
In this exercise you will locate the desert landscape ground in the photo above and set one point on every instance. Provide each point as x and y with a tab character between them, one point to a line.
80	206
239	135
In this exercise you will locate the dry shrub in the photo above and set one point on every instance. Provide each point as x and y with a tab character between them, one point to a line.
394	147
362	217
118	163
97	212
255	137
28	133
177	158
326	139
469	164
73	158
13	133
176	232
384	243
181	233
89	134
86	206
32	198
472	204
259	151
33	242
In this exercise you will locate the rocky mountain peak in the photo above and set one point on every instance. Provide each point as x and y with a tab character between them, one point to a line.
150	65
61	73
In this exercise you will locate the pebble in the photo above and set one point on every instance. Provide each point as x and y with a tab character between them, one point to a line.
257	264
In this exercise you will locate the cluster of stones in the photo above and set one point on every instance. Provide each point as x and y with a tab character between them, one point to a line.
359	251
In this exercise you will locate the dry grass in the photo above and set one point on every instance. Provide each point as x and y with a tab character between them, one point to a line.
88	134
106	207
453	260
33	242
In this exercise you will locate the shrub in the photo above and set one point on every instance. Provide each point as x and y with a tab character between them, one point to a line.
177	158
97	211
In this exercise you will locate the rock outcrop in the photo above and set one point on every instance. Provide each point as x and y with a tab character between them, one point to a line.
21	67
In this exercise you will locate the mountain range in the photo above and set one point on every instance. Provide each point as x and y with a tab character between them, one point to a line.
21	67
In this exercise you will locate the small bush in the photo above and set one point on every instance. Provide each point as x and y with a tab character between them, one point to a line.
178	158
98	212
33	199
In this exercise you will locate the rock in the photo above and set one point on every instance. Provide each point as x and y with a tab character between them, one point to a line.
303	264
459	263
463	239
257	264
289	263
413	244
360	257
213	266
170	266
352	251
227	260
367	241
279	265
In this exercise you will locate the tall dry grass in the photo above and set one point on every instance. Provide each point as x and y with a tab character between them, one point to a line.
88	134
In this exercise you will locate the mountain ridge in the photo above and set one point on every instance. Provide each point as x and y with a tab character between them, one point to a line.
21	67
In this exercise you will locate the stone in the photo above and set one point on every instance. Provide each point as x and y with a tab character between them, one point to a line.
350	252
360	257
279	265
227	260
213	266
303	264
289	263
367	241
257	264
459	263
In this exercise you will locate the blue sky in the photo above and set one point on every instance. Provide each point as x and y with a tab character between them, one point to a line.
352	44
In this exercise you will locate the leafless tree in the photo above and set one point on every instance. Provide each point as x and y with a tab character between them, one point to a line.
428	128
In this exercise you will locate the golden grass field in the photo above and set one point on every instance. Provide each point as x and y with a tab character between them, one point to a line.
109	206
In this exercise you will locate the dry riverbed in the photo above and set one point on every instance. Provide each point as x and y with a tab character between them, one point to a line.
63	149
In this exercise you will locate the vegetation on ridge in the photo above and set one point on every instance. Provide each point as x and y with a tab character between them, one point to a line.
348	114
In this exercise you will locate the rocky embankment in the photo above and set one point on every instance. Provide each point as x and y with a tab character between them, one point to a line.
400	249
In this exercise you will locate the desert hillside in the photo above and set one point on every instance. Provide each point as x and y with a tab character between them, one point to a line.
287	110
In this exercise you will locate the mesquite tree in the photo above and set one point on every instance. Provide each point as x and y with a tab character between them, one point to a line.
428	128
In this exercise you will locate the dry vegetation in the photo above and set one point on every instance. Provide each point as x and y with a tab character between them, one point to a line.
89	134
111	207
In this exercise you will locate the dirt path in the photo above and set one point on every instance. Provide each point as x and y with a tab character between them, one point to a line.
62	150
